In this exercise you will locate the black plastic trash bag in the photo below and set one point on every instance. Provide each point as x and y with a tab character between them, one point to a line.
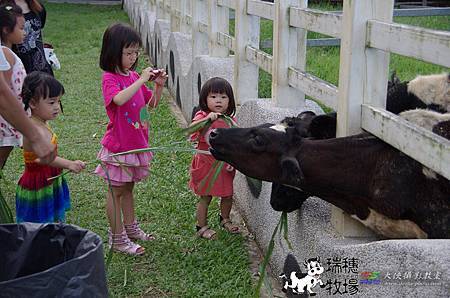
51	260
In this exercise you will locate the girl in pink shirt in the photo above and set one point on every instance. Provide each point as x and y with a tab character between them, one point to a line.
125	95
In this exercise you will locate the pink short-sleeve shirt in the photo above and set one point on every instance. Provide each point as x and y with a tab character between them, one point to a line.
125	131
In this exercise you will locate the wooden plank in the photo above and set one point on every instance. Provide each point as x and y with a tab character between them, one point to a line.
424	146
259	58
226	40
261	9
315	87
289	50
218	21
227	3
199	28
315	20
420	43
245	73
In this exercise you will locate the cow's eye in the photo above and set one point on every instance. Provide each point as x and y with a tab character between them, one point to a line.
259	141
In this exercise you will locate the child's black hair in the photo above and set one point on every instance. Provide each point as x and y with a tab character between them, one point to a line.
217	85
9	13
115	38
39	85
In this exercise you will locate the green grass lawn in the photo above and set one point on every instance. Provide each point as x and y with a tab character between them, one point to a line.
176	264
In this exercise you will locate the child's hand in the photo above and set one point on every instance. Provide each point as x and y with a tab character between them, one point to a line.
161	77
147	74
76	166
213	116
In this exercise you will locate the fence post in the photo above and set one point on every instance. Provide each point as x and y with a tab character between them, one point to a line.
199	39
152	5
159	9
185	28
175	16
363	75
245	73
218	21
289	49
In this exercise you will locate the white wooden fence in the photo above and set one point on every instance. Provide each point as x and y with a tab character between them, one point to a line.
367	35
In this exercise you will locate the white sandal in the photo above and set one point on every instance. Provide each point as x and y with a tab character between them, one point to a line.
121	243
134	232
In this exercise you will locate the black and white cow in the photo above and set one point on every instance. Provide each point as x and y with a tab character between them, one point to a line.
301	282
372	181
430	92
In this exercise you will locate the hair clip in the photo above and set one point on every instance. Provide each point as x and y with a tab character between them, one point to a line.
8	7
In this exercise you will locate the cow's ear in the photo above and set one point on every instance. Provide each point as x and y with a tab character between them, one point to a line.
306	115
323	126
290	170
305	263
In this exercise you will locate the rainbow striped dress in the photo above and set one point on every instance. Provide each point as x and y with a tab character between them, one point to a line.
37	199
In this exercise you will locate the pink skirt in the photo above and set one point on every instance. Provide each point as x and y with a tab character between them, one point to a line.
124	168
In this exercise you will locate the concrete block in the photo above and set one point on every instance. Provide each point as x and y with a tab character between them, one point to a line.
205	67
179	50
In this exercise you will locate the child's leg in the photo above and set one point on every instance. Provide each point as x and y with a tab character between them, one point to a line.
118	239
202	213
225	206
4	153
128	204
132	228
113	208
225	209
202	210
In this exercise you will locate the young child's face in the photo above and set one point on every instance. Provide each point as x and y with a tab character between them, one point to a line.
46	108
129	56
217	102
18	34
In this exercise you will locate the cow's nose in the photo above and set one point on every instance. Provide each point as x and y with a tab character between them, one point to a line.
213	134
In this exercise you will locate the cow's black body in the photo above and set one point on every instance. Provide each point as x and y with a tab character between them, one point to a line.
357	174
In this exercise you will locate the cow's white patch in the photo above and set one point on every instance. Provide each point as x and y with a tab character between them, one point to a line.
432	89
279	127
392	228
424	118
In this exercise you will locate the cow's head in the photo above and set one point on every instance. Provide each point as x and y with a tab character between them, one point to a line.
269	152
266	152
313	267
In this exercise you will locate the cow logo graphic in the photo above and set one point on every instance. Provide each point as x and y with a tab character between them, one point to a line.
301	282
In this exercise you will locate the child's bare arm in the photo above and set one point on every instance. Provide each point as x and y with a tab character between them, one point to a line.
160	80
73	165
213	116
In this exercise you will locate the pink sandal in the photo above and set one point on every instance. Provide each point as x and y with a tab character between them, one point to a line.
134	232
121	243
